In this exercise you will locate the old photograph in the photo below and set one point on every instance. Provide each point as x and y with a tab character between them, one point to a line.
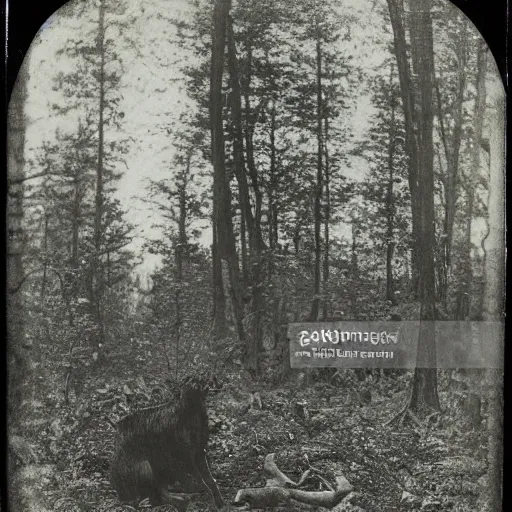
256	259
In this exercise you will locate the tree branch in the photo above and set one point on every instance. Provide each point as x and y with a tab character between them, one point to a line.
278	492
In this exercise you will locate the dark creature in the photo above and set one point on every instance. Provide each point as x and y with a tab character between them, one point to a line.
157	445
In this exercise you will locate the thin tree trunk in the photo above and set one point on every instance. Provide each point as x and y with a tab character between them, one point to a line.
243	246
108	268
256	244
225	246
250	121
75	223
180	247
327	219
272	221
45	258
396	12
219	324
273	204
315	306
75	226
237	134
353	253
480	100
71	279
452	153
275	223
390	207
297	235
97	280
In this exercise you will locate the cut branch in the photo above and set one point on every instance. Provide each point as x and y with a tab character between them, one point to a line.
279	478
278	492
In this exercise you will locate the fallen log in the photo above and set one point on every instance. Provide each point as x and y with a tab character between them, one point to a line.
279	479
281	490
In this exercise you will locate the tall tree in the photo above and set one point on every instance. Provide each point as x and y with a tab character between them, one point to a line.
96	278
390	206
386	189
253	222
319	173
321	90
326	215
425	379
476	150
225	248
93	88
181	203
409	101
494	285
18	358
417	100
450	117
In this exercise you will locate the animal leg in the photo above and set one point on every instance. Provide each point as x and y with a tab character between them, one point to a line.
202	470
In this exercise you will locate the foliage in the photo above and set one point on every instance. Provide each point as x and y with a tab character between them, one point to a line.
303	145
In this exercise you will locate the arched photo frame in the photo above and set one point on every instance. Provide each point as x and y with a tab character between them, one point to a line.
190	185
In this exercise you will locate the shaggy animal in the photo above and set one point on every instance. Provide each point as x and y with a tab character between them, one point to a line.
156	445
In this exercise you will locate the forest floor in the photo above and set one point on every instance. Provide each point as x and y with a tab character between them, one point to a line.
439	466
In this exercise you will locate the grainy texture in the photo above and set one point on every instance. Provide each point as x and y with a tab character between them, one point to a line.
157	445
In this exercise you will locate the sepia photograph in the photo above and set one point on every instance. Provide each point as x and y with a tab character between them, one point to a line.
256	259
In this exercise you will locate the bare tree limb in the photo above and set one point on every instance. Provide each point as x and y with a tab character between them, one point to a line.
22	179
278	492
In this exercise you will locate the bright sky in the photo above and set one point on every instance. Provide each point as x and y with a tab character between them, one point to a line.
152	96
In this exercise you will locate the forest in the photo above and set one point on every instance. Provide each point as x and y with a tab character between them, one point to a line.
189	178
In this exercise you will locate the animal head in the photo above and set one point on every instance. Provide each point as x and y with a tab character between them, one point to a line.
194	388
204	381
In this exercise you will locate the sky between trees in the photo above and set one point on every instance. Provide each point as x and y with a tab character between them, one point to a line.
153	97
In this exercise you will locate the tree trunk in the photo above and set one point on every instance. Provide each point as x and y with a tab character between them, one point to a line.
179	253
273	236
219	324
237	134
494	287
396	12
75	223
480	100
18	356
319	182
256	244
18	351
225	246
390	206
45	258
272	207
96	286
452	153
424	390
250	121
243	247
353	253
327	220
73	281
108	269
274	180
